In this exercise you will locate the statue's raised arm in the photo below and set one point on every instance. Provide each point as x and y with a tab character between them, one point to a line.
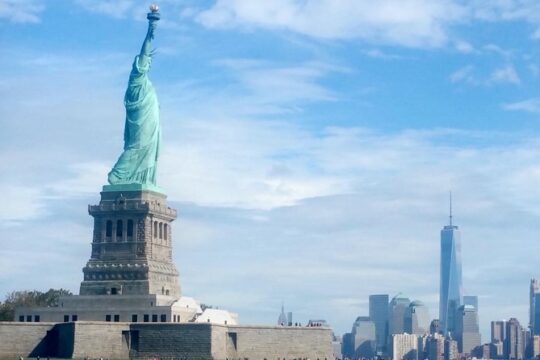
153	18
138	162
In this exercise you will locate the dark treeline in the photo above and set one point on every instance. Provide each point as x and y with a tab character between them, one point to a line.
30	298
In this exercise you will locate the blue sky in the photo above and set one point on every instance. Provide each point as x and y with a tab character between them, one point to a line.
309	146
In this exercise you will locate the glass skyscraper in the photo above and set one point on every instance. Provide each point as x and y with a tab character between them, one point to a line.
363	336
451	290
378	313
534	317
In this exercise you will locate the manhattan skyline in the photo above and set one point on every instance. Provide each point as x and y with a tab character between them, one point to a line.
309	160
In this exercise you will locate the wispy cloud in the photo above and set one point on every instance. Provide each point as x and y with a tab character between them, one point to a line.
257	88
464	47
113	8
529	105
21	11
506	74
464	74
379	54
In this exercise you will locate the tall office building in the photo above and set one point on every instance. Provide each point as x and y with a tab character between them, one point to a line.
514	344
450	349
498	337
435	327
451	292
417	318
404	347
378	313
363	337
534	307
498	331
396	314
282	319
435	347
423	346
396	317
471	300
535	346
467	331
347	345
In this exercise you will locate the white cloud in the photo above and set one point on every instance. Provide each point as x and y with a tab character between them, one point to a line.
529	105
21	203
464	47
534	69
377	53
409	22
506	74
464	74
21	11
503	75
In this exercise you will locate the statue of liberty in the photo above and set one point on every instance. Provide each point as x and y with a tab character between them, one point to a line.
138	162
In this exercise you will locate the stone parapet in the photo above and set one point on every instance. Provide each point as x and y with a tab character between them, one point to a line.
95	339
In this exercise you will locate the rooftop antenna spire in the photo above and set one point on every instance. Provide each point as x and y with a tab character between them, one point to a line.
450	208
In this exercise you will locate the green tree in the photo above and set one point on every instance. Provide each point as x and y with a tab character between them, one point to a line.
26	298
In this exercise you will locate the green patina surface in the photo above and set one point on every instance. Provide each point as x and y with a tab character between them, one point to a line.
142	135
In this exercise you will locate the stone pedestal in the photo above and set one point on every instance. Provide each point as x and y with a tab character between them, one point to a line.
131	245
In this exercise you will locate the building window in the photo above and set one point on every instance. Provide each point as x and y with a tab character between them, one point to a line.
165	231
116	318
174	318
178	318
163	318
114	291
108	229
134	318
107	317
74	317
66	318
146	318
29	318
154	318
36	318
155	229
161	230
130	228
21	318
119	228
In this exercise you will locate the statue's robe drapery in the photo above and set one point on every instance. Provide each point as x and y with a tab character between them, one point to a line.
138	162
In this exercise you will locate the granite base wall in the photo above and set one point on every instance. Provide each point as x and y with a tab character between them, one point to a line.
100	340
258	342
186	341
191	341
25	339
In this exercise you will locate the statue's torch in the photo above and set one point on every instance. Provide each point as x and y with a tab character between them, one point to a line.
153	15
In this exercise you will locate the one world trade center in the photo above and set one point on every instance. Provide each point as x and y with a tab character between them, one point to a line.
451	291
